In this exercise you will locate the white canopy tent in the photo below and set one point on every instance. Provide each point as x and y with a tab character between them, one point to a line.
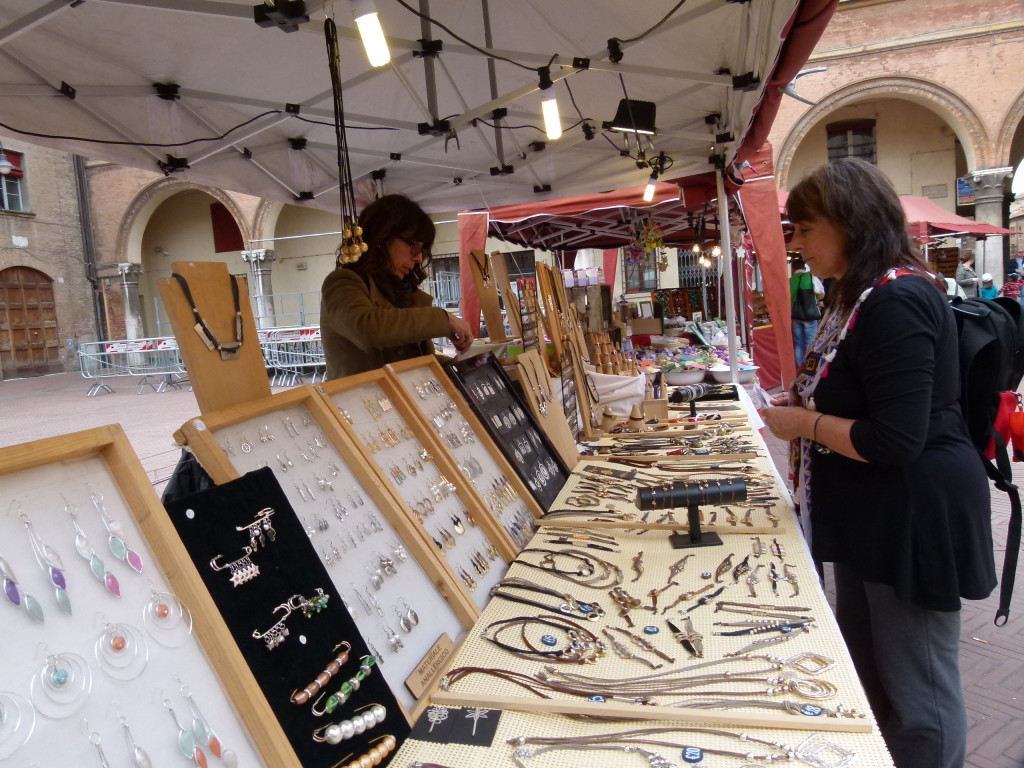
168	72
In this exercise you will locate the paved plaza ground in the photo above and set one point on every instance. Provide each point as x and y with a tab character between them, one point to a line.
993	658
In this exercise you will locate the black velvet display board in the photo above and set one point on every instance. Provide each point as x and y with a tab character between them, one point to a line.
510	424
288	565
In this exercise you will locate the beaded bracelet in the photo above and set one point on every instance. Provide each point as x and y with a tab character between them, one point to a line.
349	687
346	729
375	755
311	690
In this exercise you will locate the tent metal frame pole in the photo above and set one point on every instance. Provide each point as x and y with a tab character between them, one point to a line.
728	262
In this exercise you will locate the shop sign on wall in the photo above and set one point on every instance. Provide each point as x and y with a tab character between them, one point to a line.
964	191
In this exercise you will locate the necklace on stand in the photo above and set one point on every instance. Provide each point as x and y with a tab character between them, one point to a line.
542	398
484	265
229	351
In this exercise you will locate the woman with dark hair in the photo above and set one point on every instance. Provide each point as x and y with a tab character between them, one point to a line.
372	311
889	487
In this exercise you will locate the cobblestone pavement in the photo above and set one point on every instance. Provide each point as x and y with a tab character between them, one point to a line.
992	657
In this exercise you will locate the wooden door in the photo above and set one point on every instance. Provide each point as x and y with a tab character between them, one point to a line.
29	342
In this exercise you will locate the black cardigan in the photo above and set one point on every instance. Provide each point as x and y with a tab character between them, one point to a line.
916	515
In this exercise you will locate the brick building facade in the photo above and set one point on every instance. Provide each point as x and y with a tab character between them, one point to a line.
936	87
47	303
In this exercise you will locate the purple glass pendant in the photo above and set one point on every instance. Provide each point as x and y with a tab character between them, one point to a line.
51	563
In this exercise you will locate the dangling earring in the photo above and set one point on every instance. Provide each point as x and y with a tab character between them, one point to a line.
16	595
138	756
61	686
19	721
186	741
49	560
410	614
122	652
167	620
203	733
403	622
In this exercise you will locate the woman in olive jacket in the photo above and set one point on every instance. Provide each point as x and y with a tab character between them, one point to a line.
372	311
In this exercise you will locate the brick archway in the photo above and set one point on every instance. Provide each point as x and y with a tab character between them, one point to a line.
1009	126
964	122
133	223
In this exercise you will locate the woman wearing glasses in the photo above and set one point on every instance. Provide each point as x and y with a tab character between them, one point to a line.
372	312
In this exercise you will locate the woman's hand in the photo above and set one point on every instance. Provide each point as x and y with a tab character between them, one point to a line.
779	398
461	334
789	423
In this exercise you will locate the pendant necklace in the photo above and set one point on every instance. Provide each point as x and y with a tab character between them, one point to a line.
484	265
230	350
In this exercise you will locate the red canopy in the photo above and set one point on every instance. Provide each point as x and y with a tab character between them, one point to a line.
925	217
603	220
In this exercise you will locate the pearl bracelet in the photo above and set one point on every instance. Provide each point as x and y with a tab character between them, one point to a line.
346	729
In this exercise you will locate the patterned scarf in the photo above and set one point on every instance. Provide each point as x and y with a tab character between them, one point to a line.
834	327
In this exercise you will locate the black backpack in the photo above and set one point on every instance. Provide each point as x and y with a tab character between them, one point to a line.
991	342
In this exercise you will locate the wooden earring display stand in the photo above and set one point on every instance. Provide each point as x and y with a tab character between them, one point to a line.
81	473
284	429
410	373
351	395
217	383
545	403
499	269
487	290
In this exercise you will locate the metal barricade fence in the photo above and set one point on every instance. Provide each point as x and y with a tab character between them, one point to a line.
156	362
290	354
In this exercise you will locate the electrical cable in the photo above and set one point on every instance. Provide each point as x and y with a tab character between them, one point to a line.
462	40
642	35
141	143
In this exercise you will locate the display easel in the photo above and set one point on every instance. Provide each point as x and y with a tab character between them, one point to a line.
217	382
52	478
499	268
545	403
486	282
283	429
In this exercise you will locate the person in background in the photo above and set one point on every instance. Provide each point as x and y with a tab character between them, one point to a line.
890	488
805	323
372	311
1012	287
987	290
966	278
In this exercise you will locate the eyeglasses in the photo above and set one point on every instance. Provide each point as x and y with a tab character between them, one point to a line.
415	246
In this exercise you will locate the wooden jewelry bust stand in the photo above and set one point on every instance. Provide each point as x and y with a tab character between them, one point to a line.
487	289
219	379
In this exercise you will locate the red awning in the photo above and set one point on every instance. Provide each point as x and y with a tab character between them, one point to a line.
604	220
925	218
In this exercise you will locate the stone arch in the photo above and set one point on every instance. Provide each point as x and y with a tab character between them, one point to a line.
265	221
1007	130
23	257
133	223
965	123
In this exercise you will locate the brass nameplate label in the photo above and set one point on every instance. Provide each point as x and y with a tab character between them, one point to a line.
419	681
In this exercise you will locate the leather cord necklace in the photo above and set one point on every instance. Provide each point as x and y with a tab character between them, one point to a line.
229	351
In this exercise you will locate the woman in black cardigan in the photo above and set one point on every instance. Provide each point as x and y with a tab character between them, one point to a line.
889	487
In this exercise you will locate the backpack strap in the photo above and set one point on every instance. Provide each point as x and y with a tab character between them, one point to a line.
1001	474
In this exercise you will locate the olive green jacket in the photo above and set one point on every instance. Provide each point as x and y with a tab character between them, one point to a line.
363	331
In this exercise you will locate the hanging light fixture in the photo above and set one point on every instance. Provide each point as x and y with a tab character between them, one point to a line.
652	185
549	106
371	32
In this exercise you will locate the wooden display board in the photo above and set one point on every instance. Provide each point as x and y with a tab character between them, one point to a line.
418	378
61	484
371	401
217	383
486	282
352	517
506	418
499	268
545	403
